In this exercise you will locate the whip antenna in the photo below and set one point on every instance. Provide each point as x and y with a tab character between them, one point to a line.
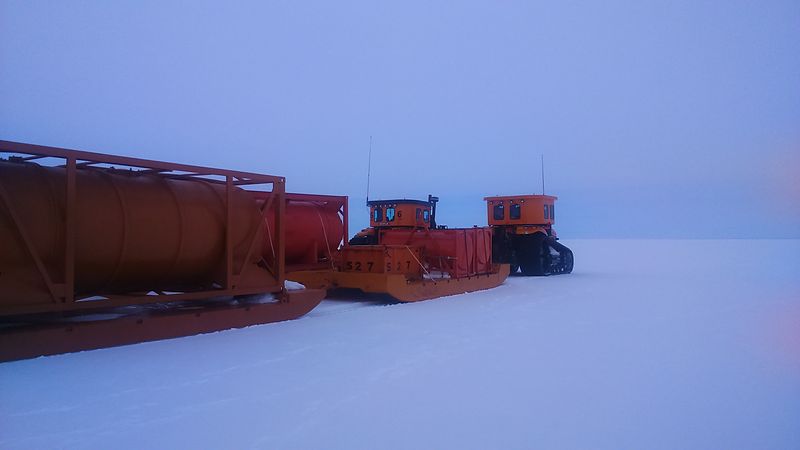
369	167
542	173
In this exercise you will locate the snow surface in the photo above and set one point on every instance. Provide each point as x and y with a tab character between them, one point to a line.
648	344
292	285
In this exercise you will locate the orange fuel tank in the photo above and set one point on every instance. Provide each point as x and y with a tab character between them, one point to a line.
315	228
134	231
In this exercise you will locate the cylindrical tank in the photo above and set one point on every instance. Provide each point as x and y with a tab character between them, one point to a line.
313	232
134	231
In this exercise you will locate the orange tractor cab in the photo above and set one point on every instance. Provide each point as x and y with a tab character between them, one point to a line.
523	234
394	214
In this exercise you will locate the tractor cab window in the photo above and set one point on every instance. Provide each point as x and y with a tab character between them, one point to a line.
426	216
515	212
546	215
499	212
552	212
377	214
419	214
390	214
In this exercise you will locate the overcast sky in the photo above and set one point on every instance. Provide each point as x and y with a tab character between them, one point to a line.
656	119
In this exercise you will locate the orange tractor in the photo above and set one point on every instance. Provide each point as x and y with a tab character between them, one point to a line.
406	255
523	235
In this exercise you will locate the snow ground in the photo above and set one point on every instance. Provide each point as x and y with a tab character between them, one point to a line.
648	344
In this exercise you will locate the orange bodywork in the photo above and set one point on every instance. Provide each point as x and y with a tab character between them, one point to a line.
399	213
419	265
316	227
457	252
523	234
521	210
383	259
400	286
410	260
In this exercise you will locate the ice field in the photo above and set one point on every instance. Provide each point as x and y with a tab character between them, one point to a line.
651	344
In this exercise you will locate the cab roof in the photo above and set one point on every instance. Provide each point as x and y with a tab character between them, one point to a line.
522	197
399	200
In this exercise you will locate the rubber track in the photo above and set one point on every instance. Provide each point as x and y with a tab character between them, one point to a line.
563	263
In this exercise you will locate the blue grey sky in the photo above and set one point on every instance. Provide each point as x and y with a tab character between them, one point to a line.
655	118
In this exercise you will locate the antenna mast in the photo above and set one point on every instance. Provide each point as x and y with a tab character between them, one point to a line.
369	166
542	173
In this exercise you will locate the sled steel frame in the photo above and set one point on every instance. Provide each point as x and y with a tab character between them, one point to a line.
62	289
